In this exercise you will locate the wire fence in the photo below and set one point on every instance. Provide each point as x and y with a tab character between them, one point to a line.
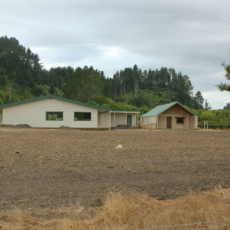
212	227
215	126
191	224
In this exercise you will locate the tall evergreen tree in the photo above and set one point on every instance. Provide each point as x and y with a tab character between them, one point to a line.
84	84
199	100
224	86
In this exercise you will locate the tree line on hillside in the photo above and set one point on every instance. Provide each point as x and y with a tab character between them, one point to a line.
214	118
22	76
133	86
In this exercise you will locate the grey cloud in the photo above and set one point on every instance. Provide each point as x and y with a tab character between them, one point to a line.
191	36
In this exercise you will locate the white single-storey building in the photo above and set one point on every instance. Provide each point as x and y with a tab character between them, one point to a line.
52	112
170	116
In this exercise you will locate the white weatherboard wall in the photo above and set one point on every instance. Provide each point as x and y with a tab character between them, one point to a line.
149	120
134	119
162	122
34	114
120	119
104	119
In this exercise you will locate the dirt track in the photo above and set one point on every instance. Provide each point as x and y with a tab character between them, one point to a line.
54	168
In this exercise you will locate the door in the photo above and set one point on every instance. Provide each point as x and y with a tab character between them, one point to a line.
169	122
129	120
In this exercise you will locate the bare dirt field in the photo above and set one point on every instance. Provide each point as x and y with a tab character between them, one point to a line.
47	169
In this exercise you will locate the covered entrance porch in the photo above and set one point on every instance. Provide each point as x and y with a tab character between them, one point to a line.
112	118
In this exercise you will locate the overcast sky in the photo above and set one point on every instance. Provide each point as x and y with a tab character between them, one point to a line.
191	36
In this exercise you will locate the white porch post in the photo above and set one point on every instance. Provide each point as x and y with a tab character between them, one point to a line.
187	121
97	118
114	121
196	121
109	119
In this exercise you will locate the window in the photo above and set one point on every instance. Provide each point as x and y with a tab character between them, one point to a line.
180	120
54	116
81	116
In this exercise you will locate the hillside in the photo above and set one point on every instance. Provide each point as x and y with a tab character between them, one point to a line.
22	76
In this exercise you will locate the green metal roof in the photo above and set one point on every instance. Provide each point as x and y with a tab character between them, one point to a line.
56	97
135	111
161	108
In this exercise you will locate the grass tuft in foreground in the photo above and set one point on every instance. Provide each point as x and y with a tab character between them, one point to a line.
135	211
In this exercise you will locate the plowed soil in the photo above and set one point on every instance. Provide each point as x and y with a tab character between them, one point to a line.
46	169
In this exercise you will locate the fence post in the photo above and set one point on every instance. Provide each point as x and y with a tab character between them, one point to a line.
205	123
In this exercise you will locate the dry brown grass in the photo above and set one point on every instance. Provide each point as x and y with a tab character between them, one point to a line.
133	211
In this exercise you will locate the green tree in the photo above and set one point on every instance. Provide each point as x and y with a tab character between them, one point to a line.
84	84
1	97
52	89
199	100
2	78
206	105
227	106
223	86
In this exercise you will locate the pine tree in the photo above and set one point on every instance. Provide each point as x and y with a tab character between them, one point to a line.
223	86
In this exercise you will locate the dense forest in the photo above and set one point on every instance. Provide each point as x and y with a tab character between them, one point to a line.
22	76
